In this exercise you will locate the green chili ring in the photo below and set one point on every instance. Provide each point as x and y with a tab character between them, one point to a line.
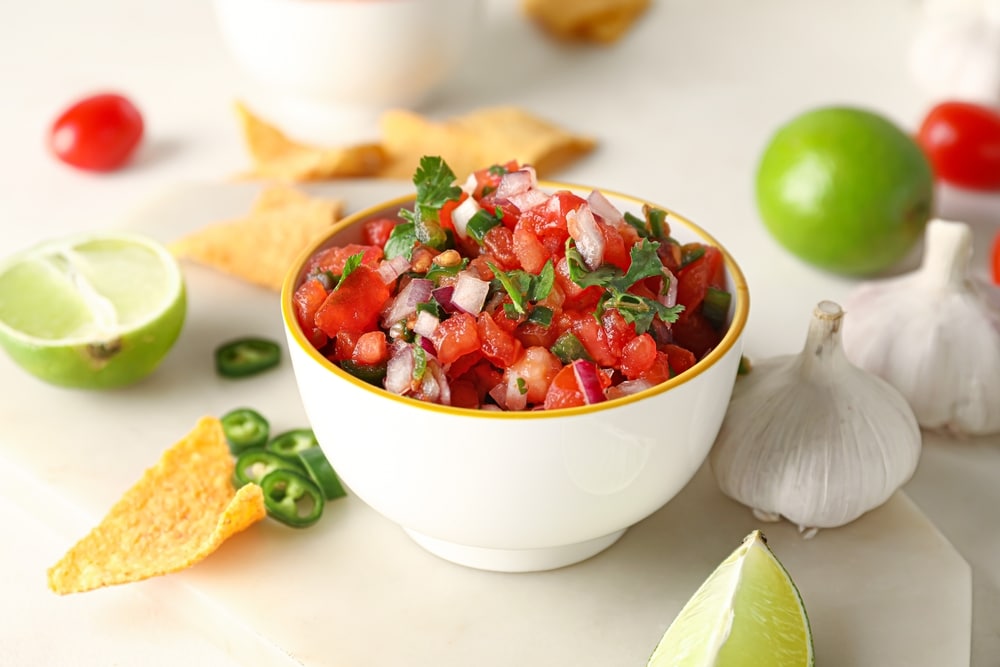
253	464
246	356
292	498
321	472
290	443
245	428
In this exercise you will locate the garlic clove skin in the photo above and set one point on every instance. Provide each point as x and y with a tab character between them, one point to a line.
813	438
934	334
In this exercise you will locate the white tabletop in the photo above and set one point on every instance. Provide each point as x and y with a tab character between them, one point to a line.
681	110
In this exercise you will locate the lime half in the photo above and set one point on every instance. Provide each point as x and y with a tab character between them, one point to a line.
92	311
747	613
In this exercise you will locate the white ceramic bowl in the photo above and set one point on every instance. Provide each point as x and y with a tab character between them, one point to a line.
336	61
516	491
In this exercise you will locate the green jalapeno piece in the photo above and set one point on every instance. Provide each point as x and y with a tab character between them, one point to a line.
370	373
246	356
292	498
245	428
290	443
253	464
321	472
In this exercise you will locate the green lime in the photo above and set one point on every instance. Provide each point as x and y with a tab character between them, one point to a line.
845	189
93	311
747	613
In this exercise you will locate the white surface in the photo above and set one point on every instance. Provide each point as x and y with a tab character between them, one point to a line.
681	109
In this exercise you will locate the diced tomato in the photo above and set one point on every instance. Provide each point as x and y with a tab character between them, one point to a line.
680	358
659	370
455	336
309	296
484	376
638	356
343	345
355	305
444	215
371	349
564	391
462	365
333	259
615	250
590	332
616	331
537	366
693	331
496	343
375	232
693	280
582	298
499	244
533	334
488	178
464	394
529	250
548	219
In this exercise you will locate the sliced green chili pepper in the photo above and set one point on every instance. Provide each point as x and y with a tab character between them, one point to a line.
292	498
715	307
245	428
370	373
321	472
246	356
568	347
290	443
253	464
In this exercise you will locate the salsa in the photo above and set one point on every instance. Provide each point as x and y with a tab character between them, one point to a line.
499	295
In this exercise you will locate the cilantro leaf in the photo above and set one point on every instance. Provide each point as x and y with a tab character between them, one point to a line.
353	262
523	287
401	240
434	180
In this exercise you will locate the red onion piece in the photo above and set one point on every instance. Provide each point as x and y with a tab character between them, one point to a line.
462	213
435	370
443	296
589	239
399	370
602	206
499	394
416	291
528	199
628	387
670	298
469	293
589	381
516	182
428	345
513	398
426	323
390	269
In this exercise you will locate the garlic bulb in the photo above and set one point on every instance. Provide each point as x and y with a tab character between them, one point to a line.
812	437
955	52
934	334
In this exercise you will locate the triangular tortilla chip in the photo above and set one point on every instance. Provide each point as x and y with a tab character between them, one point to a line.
477	140
179	512
278	157
602	21
261	247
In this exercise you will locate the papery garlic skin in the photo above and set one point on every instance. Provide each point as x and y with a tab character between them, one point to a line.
955	52
934	334
813	438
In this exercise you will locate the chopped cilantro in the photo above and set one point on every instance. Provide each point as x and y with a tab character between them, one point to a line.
522	386
434	180
419	362
436	272
353	262
432	307
640	310
401	240
651	225
497	170
524	287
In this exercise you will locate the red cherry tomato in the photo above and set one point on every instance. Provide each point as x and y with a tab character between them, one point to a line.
98	133
996	259
962	141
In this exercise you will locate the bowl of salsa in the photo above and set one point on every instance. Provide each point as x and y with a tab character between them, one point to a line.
515	371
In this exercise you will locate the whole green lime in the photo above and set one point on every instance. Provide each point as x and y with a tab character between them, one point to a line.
845	189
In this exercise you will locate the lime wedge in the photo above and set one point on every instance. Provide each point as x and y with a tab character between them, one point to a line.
747	613
91	311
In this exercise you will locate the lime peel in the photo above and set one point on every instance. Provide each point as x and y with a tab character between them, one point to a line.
748	612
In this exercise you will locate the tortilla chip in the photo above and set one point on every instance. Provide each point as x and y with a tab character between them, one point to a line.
601	21
280	158
261	247
478	139
181	511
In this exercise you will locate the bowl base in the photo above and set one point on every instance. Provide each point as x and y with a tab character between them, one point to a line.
515	560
